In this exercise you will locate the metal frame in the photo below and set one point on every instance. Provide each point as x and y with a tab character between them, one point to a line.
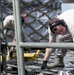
44	45
18	35
3	51
0	32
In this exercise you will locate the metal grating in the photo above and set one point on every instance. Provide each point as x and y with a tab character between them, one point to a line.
40	12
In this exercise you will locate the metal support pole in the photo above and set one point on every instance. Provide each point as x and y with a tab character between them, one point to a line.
48	45
44	45
18	34
2	48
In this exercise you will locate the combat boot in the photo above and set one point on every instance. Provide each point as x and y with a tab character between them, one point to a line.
58	63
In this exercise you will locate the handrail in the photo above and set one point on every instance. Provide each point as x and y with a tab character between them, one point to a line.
43	45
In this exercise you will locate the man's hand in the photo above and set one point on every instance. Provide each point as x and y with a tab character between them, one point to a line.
11	50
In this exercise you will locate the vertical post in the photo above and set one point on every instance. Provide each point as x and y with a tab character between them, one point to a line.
18	34
2	49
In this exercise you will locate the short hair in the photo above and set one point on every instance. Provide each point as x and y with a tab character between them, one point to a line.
53	20
56	21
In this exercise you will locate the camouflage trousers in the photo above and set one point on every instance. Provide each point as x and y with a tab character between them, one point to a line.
63	39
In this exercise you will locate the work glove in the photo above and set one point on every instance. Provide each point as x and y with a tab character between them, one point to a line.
44	65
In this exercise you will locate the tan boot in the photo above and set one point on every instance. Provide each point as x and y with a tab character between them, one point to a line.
58	63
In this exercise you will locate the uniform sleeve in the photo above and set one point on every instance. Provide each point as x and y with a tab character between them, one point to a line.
72	34
9	22
52	37
25	37
5	22
72	37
